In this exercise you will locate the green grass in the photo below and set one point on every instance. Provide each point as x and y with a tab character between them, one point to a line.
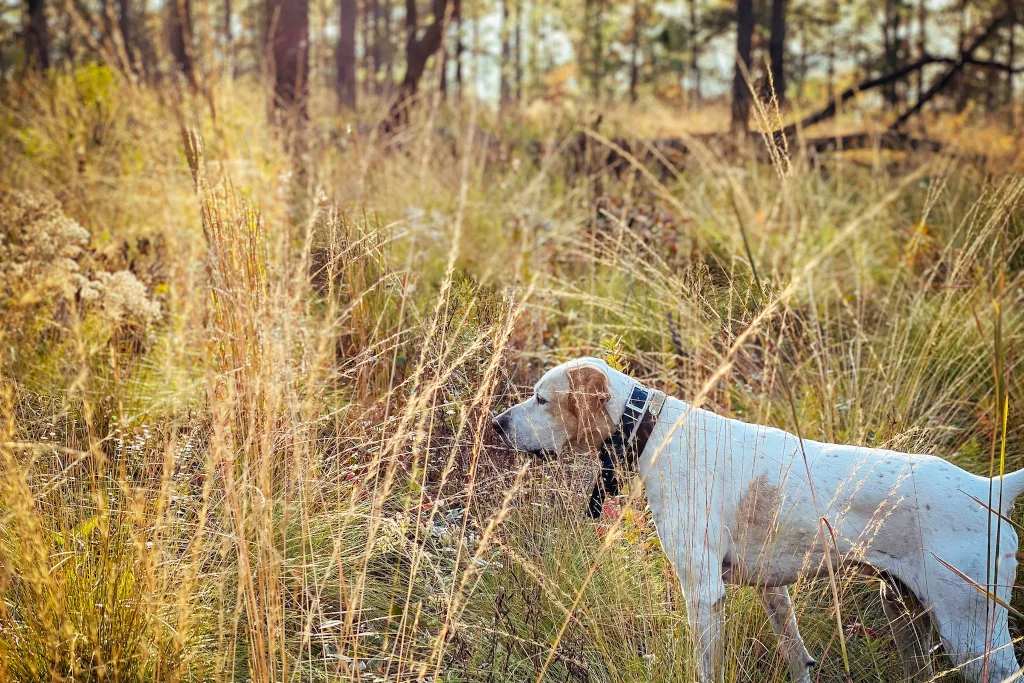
286	475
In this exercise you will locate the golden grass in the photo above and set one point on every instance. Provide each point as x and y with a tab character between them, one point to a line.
288	476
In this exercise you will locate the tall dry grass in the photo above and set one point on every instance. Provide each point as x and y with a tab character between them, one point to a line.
286	473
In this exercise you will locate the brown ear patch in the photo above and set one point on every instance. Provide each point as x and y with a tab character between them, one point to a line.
588	393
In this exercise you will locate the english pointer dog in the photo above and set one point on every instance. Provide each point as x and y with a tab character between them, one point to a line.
753	505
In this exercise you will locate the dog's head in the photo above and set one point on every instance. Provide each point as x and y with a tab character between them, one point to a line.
570	406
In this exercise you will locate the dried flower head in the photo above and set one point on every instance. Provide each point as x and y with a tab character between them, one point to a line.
41	252
122	296
39	246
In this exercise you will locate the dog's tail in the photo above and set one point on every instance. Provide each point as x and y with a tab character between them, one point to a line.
1012	486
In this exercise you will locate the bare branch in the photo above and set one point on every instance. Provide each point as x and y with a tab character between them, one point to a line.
956	64
953	70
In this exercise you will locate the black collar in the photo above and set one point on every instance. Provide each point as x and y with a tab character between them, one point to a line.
626	443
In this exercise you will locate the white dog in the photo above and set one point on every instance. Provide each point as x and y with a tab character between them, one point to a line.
753	505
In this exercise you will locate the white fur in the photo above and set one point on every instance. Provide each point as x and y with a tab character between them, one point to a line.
895	512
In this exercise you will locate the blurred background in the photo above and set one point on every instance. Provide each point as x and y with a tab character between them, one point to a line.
695	65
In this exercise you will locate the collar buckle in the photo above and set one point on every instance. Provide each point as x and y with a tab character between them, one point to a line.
657	402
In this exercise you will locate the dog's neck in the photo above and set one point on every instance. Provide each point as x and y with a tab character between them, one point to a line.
634	409
620	386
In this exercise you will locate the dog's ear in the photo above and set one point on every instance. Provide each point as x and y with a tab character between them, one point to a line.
588	392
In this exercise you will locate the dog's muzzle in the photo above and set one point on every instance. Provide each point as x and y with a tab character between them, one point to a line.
502	427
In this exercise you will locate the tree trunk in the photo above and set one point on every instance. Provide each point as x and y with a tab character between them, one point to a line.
443	86
411	82
289	41
37	35
367	23
583	60
1011	57
922	41
446	53
830	76
802	66
533	54
961	95
69	45
180	36
993	81
654	66
889	41
777	49
229	40
517	46
371	41
740	90
961	39
503	68
634	59
109	21
459	45
345	55
145	48
598	50
387	44
417	52
694	52
124	24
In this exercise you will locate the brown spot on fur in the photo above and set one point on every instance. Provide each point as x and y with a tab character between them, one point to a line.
582	410
758	508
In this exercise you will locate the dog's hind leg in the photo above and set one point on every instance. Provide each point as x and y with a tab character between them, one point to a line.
985	662
912	629
979	656
974	629
779	607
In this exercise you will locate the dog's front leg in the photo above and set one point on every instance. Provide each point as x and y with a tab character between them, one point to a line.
705	604
779	607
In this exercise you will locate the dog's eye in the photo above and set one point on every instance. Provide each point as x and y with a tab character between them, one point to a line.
540	399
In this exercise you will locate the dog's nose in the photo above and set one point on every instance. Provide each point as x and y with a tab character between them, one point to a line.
500	424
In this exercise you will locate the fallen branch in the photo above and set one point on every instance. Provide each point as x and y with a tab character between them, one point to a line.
957	63
953	70
890	139
620	154
851	92
983	63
